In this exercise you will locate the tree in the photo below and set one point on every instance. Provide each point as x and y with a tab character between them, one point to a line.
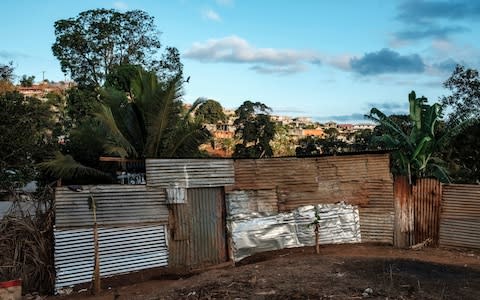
416	152
92	44
6	77
151	122
25	126
27	81
465	98
210	112
254	129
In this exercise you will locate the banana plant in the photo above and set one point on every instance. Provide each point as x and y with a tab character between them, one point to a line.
415	151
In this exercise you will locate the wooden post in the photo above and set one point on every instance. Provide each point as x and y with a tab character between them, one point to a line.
96	270
317	244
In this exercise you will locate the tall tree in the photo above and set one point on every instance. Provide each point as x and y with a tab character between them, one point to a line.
210	112
254	129
92	44
464	101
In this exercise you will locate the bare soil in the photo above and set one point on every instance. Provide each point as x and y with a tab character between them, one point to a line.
338	272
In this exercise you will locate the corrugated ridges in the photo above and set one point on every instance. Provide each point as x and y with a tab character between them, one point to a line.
189	173
116	204
460	217
121	250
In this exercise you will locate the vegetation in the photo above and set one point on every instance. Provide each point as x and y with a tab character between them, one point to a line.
255	130
26	125
27	81
92	44
416	151
210	112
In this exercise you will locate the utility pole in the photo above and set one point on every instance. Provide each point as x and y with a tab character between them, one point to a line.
43	76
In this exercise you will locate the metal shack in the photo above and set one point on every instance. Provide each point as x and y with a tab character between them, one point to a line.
193	213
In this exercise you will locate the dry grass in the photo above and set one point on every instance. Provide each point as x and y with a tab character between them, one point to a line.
26	243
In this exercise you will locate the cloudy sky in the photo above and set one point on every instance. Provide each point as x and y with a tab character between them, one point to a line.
329	60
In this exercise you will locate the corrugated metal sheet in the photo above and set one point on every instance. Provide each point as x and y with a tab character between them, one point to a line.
460	216
198	236
363	180
417	211
427	194
377	216
306	181
189	173
208	244
116	204
121	250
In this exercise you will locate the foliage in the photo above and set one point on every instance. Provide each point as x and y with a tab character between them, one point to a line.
462	154
6	77
26	240
26	125
465	98
6	72
92	44
80	104
210	112
416	153
282	143
254	129
150	123
27	81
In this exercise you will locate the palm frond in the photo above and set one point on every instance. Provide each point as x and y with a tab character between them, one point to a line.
66	167
115	136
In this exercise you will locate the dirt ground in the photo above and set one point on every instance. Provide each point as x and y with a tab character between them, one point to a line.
338	272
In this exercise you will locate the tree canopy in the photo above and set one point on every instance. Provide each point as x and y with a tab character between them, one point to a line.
26	124
90	45
210	112
254	129
27	81
465	98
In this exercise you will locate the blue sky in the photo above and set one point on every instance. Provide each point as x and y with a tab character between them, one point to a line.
329	60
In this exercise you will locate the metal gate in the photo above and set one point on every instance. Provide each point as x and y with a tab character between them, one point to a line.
198	236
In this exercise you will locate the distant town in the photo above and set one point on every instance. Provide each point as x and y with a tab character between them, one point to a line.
295	129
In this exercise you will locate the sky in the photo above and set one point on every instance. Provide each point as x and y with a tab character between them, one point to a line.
327	60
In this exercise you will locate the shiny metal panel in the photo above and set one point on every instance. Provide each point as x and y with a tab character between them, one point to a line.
251	233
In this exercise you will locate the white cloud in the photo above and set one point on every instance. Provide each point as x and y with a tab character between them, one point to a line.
211	15
120	5
237	50
233	49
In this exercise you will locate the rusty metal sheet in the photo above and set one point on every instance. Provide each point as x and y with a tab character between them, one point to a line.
427	195
460	216
116	204
208	243
198	236
189	173
121	250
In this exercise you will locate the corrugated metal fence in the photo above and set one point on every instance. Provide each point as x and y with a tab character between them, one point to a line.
284	184
417	211
460	217
132	231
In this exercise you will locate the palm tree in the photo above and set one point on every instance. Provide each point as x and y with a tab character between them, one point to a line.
149	121
146	121
415	151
